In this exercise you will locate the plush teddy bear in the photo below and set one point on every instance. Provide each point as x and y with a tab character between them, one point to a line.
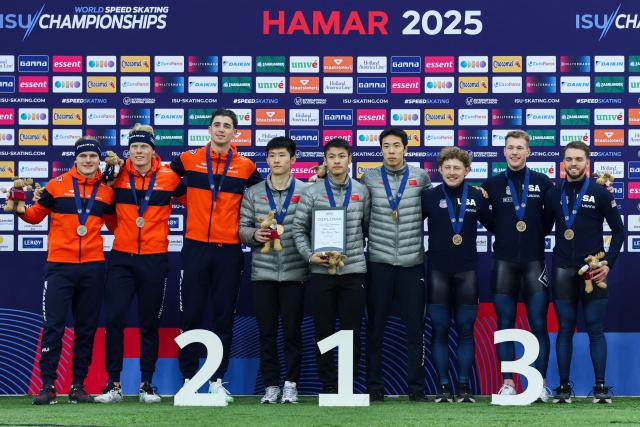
605	179
321	171
592	262
269	222
336	260
112	167
17	194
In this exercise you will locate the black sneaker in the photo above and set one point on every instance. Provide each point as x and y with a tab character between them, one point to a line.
418	396
464	394
601	394
562	394
444	394
46	396
77	394
376	396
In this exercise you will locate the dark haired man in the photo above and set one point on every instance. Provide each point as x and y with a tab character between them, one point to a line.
395	269
211	256
277	276
579	207
343	293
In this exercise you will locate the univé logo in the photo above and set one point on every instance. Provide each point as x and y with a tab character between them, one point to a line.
304	64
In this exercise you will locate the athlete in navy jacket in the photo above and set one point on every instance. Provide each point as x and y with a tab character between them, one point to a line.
453	210
579	207
517	200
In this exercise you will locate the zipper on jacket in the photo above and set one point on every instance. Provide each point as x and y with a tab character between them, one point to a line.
279	254
212	201
397	223
139	229
84	194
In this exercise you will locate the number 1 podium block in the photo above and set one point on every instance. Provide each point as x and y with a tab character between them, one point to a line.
345	397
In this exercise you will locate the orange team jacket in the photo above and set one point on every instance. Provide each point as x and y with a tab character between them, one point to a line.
65	245
152	238
204	223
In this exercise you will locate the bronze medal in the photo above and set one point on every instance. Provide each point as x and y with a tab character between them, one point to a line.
82	230
457	239
521	226
140	222
569	234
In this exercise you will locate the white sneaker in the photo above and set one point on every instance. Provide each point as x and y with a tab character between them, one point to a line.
218	387
507	390
148	395
289	393
110	394
544	395
271	394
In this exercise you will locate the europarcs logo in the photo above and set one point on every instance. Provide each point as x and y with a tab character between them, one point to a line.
111	17
616	19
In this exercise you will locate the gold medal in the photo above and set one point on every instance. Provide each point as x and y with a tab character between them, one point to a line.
394	215
280	229
457	239
569	234
521	226
81	230
140	222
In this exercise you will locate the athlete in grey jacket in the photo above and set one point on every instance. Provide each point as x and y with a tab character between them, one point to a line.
395	269
343	293
276	276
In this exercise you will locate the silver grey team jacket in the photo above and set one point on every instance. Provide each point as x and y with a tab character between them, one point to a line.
396	243
288	264
357	223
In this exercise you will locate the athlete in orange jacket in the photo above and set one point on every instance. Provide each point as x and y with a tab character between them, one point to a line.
211	256
78	204
138	262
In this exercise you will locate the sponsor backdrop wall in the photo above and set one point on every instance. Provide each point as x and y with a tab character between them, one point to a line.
462	75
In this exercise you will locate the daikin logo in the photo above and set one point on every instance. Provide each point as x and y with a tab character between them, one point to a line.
605	21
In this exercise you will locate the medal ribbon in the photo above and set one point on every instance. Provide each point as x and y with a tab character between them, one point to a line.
519	205
83	212
215	191
456	223
332	200
143	206
272	203
569	219
394	202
